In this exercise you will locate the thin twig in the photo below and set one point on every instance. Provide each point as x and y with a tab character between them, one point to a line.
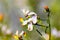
38	32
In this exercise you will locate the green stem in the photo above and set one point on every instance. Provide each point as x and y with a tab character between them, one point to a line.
49	26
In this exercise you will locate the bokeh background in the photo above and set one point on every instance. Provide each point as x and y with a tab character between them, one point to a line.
10	10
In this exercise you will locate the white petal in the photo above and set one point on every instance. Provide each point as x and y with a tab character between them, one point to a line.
31	13
16	32
21	33
29	20
30	27
25	11
25	22
34	19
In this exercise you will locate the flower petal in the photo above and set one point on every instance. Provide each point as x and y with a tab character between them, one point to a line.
30	27
16	33
29	20
25	22
34	19
21	34
31	13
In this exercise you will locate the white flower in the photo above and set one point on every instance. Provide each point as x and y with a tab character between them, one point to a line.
33	17
30	27
32	20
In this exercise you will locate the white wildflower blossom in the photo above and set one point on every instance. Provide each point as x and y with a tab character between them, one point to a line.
32	20
33	16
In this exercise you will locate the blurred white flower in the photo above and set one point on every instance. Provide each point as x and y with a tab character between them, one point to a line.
4	28
54	32
8	31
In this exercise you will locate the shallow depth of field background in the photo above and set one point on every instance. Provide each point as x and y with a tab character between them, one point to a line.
11	10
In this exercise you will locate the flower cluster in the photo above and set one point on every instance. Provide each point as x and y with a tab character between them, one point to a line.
30	21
